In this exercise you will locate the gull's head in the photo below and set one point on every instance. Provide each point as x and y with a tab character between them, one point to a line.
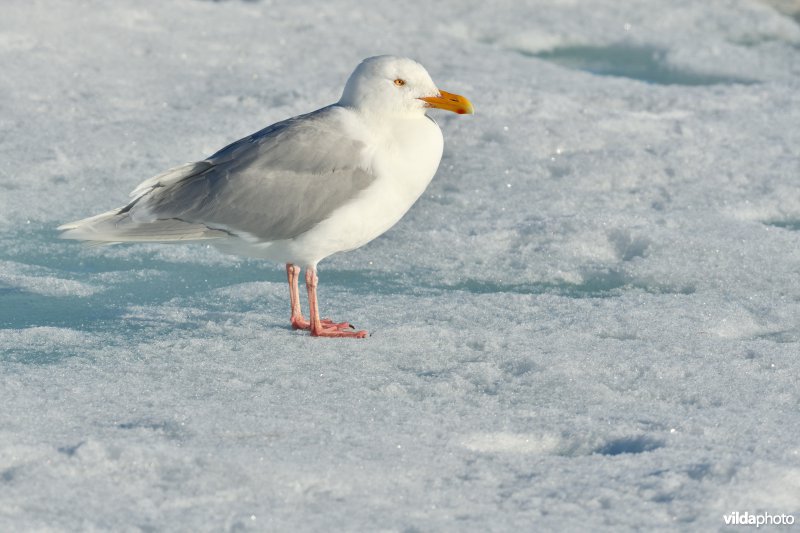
389	85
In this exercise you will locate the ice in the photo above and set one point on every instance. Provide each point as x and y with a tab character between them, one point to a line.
37	280
589	322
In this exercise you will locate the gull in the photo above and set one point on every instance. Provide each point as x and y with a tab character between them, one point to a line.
302	189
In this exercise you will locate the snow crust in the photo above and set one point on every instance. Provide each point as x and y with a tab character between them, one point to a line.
589	322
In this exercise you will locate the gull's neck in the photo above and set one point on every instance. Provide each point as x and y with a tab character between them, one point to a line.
384	116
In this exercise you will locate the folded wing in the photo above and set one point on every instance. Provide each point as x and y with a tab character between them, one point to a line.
275	184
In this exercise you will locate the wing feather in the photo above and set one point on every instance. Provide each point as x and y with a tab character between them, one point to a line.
274	184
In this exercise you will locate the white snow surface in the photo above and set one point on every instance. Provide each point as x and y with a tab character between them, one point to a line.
589	322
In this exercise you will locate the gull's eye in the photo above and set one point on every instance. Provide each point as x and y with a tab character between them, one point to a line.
399	82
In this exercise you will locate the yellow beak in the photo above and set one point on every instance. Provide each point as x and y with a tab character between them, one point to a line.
450	102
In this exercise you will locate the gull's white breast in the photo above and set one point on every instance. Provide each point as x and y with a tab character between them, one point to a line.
404	154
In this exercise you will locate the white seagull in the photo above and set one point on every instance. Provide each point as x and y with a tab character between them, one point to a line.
304	188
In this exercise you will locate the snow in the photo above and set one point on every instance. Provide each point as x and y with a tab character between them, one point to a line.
588	322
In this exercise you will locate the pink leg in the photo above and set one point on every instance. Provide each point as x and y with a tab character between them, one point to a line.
298	321
326	328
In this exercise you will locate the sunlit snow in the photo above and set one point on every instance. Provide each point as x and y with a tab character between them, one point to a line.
589	322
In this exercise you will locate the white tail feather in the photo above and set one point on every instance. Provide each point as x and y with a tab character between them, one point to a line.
116	226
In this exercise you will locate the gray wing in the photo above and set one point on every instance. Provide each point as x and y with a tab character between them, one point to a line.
275	184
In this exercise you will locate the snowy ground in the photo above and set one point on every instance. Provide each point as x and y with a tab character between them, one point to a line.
591	320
